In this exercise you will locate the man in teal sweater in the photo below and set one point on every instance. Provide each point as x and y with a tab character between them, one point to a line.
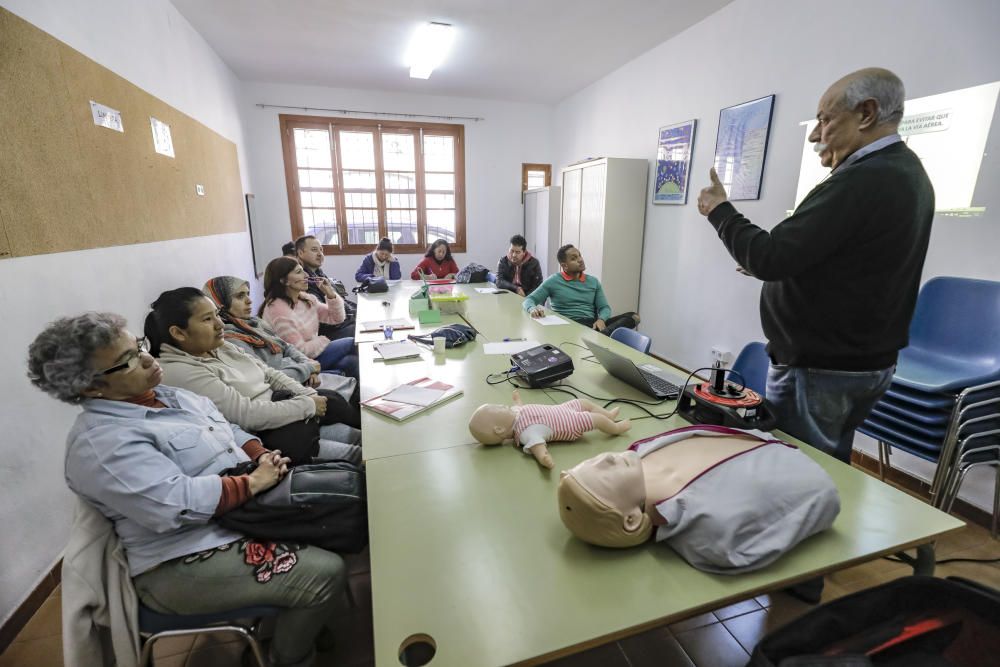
577	296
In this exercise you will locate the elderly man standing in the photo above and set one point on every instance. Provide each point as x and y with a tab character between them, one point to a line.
841	274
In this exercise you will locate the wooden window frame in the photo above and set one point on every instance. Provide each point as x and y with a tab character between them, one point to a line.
289	122
535	166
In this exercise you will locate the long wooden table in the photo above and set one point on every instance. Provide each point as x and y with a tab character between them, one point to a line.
467	548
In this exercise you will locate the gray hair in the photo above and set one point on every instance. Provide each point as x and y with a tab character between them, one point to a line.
59	358
880	85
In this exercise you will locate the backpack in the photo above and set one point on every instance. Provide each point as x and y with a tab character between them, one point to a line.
323	504
455	335
907	622
473	273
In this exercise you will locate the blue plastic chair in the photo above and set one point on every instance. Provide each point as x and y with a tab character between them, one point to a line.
954	336
157	626
752	363
632	338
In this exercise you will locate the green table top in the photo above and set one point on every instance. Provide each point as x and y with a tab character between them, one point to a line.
466	542
467	548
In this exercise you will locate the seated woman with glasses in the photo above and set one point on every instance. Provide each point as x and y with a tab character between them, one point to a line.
148	457
295	315
188	337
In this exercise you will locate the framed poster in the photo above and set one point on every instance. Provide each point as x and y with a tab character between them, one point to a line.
741	145
673	162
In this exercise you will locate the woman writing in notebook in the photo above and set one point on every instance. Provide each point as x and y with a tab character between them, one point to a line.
294	314
437	263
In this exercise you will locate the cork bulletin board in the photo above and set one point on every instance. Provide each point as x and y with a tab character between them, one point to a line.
69	184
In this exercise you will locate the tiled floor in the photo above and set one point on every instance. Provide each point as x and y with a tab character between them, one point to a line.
722	638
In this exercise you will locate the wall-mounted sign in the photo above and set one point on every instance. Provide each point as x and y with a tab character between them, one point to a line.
107	117
162	142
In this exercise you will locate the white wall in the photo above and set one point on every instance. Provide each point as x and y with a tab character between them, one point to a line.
152	46
511	133
691	298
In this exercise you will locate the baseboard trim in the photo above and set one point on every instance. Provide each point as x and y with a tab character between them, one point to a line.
921	489
10	629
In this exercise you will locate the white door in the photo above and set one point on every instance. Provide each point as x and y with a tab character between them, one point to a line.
592	218
538	241
570	208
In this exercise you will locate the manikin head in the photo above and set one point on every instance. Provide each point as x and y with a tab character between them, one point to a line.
492	424
602	500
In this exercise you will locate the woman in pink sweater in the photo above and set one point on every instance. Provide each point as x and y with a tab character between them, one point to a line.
437	262
294	314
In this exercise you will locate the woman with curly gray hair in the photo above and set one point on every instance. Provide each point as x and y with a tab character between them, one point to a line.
148	457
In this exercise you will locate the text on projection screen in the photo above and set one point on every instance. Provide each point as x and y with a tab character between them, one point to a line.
947	131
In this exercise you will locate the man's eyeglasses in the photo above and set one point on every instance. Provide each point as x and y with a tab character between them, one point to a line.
141	345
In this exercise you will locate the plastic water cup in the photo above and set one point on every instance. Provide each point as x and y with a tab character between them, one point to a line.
387	331
439	345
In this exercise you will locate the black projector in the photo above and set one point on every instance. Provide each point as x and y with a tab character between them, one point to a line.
542	365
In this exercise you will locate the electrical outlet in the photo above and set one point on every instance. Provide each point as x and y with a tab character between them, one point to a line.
721	354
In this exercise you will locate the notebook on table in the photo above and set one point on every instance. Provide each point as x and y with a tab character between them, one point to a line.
412	398
624	369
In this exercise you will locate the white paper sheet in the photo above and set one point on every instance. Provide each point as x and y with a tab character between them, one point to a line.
509	346
488	290
550	320
411	395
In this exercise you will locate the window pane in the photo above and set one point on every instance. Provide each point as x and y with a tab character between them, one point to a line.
317	199
440	182
360	200
400	200
441	224
401	181
536	179
312	148
321	223
440	201
402	225
439	153
397	152
357	150
359	180
362	226
315	178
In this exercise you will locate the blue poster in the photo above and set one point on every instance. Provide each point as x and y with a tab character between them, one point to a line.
673	160
741	146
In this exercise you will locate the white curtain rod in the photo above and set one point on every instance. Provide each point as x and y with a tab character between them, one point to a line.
475	119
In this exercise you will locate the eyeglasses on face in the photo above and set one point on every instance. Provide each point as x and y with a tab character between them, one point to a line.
141	345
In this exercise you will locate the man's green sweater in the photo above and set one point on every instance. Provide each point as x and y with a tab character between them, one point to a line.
578	300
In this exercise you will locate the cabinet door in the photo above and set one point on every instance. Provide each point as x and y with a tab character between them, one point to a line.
592	218
571	208
539	239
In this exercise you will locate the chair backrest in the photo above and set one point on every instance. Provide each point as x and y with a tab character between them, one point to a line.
632	338
958	317
752	364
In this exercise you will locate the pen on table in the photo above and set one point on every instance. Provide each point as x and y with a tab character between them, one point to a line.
511	340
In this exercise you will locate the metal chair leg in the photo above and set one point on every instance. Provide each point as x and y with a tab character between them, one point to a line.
958	485
996	503
883	459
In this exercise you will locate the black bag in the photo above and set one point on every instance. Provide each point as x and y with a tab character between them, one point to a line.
299	440
909	622
339	410
322	504
473	273
455	335
372	286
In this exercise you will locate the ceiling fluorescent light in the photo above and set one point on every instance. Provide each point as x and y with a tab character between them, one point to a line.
428	48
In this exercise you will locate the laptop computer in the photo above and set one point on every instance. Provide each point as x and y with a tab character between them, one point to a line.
625	370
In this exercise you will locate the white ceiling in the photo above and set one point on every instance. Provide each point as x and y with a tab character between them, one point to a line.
518	50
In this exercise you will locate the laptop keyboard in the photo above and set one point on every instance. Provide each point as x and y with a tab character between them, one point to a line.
664	387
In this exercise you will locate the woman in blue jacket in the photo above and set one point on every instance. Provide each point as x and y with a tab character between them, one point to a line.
379	264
